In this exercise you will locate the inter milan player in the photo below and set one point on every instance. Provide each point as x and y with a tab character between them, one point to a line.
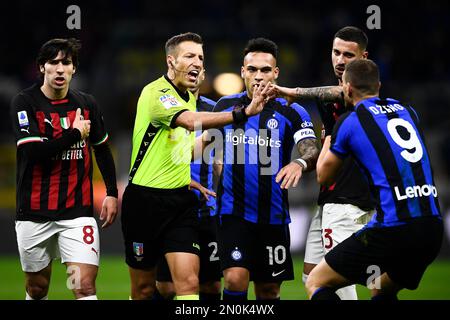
201	171
55	129
405	234
345	206
159	217
254	239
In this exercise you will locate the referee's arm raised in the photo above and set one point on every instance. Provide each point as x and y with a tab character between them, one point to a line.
205	120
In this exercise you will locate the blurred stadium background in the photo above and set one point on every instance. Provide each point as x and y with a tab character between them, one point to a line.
123	50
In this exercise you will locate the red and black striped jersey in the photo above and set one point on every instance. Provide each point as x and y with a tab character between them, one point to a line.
351	187
57	186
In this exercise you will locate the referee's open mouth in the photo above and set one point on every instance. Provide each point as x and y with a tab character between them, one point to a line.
193	75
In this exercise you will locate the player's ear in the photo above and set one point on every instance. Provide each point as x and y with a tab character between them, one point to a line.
41	69
203	74
242	72
276	72
349	90
170	61
365	55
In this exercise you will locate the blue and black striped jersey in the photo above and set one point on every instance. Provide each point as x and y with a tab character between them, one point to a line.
201	169
253	154
386	140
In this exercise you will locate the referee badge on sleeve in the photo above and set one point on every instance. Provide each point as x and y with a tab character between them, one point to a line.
169	101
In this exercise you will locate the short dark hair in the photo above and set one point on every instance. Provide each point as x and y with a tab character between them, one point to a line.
261	45
353	34
173	42
50	49
363	75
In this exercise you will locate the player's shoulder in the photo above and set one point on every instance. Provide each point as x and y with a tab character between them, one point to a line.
346	120
205	104
26	97
28	92
159	86
230	101
161	89
83	98
292	110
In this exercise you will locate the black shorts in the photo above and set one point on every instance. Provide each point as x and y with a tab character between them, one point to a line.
403	252
263	249
157	221
209	255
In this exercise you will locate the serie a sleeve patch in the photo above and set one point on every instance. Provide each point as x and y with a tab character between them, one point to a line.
169	101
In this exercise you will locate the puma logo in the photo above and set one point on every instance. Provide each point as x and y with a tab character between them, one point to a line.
25	130
49	122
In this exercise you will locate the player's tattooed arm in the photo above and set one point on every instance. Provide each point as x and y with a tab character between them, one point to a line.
309	152
325	94
290	174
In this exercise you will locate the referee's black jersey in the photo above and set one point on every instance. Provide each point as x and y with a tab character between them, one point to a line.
351	186
59	187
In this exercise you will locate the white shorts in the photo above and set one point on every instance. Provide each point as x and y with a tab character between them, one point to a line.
314	248
340	221
332	224
76	240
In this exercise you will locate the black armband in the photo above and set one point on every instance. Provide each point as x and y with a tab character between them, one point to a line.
239	115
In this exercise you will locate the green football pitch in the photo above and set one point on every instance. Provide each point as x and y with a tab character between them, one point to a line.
113	282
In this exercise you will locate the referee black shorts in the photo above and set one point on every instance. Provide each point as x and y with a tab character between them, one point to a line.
403	252
209	256
158	221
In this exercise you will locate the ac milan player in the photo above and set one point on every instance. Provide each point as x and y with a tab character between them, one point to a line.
55	128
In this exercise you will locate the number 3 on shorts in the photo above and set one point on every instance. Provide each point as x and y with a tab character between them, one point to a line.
88	234
327	235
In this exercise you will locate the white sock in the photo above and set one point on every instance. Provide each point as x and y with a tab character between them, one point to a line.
28	297
304	277
347	293
93	297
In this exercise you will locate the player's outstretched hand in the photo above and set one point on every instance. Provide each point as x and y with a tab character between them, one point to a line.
109	211
204	191
260	98
282	92
84	126
289	175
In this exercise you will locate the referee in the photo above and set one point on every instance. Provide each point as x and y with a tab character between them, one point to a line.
158	210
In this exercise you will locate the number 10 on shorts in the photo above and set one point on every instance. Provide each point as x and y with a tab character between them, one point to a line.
277	254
